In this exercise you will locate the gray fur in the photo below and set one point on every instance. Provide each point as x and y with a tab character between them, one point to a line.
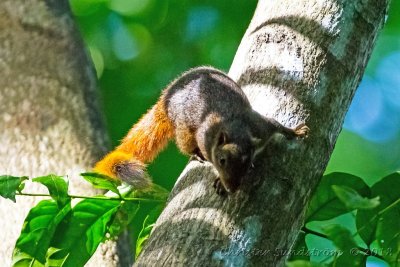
205	104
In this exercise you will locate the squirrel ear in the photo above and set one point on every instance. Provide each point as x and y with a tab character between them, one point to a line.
222	138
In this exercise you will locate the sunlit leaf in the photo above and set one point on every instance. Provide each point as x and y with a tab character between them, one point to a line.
22	259
38	230
54	262
10	185
101	181
57	186
87	225
324	204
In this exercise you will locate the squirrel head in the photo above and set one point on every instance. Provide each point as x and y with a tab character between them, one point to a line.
233	153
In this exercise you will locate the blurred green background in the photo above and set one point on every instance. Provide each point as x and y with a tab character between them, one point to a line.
139	46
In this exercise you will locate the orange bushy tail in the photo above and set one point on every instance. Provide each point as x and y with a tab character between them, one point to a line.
142	143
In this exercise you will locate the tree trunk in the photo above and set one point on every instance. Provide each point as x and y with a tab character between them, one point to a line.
299	61
49	115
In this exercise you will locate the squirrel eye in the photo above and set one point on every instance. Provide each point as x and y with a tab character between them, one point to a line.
118	168
222	138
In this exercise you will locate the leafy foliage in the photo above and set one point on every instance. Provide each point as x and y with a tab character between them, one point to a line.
102	181
57	186
9	185
383	223
39	228
86	226
148	224
344	241
377	220
55	233
325	203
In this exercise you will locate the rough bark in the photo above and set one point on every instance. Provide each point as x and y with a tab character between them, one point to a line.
299	61
49	116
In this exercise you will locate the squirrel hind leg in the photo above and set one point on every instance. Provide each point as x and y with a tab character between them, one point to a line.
219	188
185	140
197	155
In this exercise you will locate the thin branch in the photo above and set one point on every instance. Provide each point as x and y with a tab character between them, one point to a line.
98	197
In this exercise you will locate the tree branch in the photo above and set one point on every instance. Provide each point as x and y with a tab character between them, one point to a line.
299	61
49	112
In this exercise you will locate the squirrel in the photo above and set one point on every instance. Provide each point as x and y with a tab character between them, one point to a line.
210	118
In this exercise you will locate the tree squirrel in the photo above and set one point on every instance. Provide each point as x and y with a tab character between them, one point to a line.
210	117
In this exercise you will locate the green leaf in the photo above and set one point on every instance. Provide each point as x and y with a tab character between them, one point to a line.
388	236
367	221
57	186
155	192
324	204
9	185
87	225
352	199
38	230
123	217
348	254
304	263
148	224
341	236
54	262
300	250
101	181
22	260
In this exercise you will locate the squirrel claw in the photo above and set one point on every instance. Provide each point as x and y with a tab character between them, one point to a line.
197	157
302	130
219	188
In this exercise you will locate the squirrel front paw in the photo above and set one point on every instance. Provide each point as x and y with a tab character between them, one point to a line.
219	187
197	155
302	130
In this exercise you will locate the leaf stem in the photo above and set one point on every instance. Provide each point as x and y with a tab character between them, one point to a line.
392	205
96	197
380	213
367	252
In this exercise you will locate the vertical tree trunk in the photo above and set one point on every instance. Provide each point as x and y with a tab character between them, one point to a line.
299	61
49	115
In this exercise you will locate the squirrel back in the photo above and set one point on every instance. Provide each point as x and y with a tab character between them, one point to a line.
209	116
